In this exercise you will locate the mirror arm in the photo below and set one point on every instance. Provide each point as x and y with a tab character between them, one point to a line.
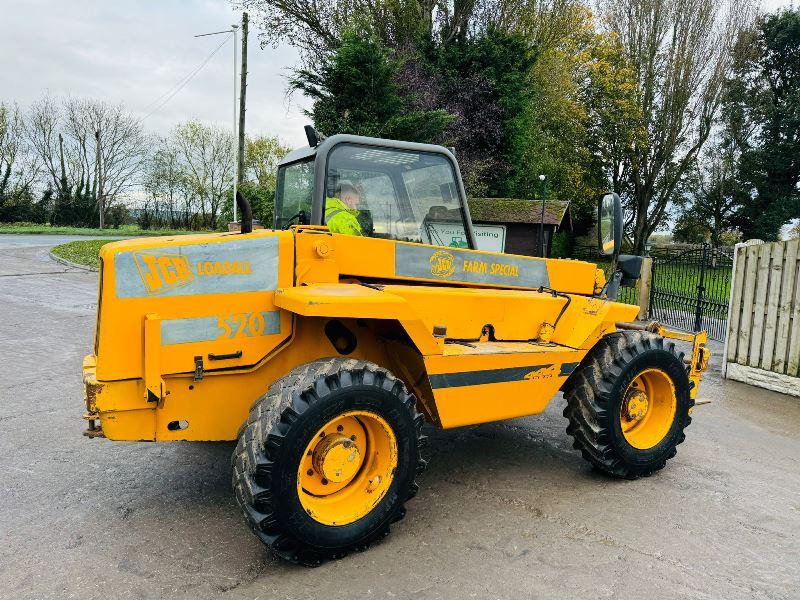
611	289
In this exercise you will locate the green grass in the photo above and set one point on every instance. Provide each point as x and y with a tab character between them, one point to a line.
716	281
82	252
125	230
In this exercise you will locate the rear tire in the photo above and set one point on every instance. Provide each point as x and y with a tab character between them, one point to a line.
614	433
274	451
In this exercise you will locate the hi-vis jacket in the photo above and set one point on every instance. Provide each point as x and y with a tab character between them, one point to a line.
340	218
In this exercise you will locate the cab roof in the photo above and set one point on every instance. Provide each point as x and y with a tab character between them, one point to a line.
309	152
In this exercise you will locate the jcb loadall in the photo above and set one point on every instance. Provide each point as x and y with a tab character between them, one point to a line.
323	353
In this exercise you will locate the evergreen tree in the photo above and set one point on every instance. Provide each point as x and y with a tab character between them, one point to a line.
355	91
763	104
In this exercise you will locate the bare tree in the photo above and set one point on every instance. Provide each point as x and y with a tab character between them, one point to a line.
44	136
19	167
107	147
87	146
680	51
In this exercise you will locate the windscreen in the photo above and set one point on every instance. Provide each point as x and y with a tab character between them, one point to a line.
394	194
293	194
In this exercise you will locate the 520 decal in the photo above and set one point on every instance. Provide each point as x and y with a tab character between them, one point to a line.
254	324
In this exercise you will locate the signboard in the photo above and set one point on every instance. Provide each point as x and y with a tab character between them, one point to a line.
490	238
451	264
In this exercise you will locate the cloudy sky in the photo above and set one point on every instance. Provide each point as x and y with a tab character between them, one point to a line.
136	51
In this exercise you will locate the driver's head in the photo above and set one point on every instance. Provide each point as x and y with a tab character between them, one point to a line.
349	194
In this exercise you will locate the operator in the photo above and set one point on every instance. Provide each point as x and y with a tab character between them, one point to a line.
341	212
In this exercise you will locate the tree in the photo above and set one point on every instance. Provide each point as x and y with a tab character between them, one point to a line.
763	100
527	87
581	120
485	83
317	27
188	178
91	153
18	166
44	123
261	165
165	181
107	147
615	122
709	198
355	91
680	53
207	155
262	154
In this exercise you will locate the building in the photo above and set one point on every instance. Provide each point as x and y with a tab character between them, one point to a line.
518	221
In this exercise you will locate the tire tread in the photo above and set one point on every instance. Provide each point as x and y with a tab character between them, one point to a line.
588	396
263	434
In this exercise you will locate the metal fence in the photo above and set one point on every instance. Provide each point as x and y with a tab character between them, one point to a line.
690	289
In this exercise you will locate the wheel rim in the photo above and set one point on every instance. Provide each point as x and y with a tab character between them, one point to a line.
347	468
648	409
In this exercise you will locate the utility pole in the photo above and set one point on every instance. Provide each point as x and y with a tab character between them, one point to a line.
99	179
232	30
543	179
242	101
62	185
235	28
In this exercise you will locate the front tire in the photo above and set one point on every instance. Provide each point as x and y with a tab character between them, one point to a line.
327	459
628	404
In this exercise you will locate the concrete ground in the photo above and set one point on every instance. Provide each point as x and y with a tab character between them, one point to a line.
506	510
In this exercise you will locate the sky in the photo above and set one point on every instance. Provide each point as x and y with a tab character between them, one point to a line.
135	51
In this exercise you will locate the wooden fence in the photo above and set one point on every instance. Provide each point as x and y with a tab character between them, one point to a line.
762	346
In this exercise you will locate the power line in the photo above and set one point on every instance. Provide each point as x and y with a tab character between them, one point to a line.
172	92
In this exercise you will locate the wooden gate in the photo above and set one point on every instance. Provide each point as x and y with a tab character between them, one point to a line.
762	346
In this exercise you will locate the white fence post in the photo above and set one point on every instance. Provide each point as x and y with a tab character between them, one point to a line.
730	308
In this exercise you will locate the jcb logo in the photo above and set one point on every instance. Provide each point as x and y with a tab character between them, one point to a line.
541	372
161	272
443	264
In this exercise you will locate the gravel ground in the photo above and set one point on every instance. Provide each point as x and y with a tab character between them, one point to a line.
506	510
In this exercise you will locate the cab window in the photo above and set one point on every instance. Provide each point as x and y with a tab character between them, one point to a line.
394	194
293	193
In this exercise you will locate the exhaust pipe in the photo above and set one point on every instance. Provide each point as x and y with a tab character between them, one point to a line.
246	212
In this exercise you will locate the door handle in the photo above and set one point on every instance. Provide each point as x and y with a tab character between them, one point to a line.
237	354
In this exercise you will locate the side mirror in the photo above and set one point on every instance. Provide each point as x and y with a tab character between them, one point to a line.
609	224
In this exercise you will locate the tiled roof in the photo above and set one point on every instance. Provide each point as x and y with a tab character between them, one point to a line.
512	210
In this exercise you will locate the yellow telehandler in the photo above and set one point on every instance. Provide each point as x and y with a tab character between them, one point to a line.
323	353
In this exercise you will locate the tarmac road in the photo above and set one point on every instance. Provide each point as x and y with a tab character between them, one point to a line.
24	240
505	510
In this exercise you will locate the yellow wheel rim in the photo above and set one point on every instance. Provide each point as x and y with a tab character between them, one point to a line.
648	409
347	468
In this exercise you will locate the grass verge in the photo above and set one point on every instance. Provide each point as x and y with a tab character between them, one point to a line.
82	252
125	230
